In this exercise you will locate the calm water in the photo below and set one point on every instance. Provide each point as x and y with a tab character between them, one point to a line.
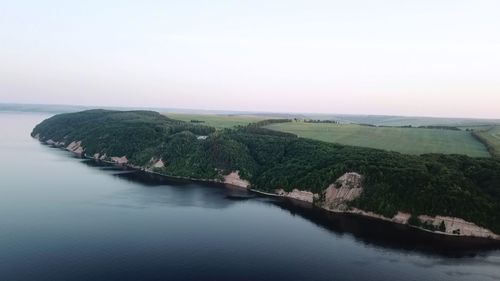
63	218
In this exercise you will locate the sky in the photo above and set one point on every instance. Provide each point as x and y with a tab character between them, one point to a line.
389	57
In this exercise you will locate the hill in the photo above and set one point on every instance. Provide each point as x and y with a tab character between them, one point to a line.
390	183
405	140
391	120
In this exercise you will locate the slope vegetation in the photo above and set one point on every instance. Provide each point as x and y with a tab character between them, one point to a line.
404	140
490	137
432	184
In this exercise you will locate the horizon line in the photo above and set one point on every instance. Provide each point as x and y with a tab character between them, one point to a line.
241	112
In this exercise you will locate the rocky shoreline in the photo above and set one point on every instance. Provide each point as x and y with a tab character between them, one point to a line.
335	200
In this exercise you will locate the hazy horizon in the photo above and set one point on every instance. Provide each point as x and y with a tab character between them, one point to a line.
425	58
226	111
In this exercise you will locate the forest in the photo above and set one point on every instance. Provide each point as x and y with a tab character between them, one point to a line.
430	184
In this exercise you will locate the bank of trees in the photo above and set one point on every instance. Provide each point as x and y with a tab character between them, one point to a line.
432	184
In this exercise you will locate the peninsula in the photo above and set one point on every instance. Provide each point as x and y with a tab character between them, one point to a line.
446	194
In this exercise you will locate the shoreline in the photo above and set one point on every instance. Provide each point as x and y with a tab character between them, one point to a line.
373	216
355	212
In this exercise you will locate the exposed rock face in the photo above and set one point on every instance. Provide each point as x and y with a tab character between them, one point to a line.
457	226
54	143
296	194
234	179
401	217
159	164
76	147
344	190
336	197
120	160
348	187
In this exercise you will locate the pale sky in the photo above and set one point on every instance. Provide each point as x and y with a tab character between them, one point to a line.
401	57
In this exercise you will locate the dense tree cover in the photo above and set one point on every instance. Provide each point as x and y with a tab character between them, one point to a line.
321	121
432	184
452	128
437	127
258	128
428	225
271	121
116	133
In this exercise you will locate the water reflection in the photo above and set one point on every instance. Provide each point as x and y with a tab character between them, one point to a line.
374	233
180	193
386	235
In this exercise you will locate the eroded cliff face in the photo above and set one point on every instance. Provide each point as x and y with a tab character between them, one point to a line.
98	156
54	143
234	179
297	194
344	190
349	187
158	164
76	147
120	160
458	226
103	157
336	197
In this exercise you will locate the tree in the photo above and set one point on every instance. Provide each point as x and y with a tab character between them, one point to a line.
442	227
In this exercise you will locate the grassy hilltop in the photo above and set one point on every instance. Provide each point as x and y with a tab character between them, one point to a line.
431	184
400	134
405	140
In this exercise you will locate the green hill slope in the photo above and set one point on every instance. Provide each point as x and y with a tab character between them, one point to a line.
404	140
432	184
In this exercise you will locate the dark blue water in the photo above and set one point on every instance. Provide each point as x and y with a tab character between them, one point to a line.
64	218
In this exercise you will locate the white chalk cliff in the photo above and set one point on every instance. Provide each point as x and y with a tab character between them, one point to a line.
234	179
344	190
336	197
76	147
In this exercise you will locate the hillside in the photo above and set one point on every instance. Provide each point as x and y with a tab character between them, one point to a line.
433	184
391	120
405	140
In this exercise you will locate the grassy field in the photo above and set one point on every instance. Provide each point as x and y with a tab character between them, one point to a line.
218	121
404	140
492	137
381	120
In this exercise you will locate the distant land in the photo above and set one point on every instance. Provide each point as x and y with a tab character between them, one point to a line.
452	194
378	120
48	108
411	135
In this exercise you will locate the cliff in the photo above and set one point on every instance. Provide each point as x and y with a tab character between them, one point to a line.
234	179
349	187
345	189
386	185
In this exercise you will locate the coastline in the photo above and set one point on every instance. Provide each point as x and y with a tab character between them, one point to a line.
356	212
370	215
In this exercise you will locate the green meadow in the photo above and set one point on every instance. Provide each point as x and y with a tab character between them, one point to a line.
404	140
